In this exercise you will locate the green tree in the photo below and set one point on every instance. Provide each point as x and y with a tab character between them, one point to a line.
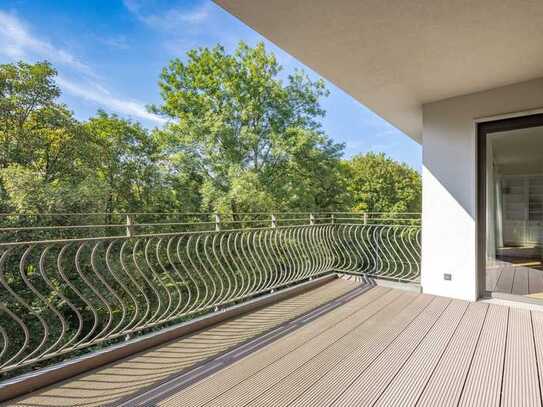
125	162
26	90
256	140
44	150
377	183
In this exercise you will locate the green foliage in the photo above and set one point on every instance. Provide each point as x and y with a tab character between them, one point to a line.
29	192
43	149
256	140
239	139
377	183
25	89
125	164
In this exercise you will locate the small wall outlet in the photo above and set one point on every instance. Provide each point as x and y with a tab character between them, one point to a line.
447	277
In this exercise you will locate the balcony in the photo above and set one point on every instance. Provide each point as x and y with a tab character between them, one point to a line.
290	309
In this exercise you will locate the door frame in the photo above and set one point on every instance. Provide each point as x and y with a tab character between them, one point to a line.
483	130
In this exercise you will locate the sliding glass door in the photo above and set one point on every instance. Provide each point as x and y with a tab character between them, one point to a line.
511	207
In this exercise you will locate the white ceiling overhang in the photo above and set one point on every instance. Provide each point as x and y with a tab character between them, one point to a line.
396	55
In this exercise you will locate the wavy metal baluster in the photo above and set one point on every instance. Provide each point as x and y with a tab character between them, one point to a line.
236	268
191	299
220	269
56	312
168	276
259	264
125	285
5	309
131	276
274	265
83	298
102	299
45	325
181	282
298	261
107	332
219	276
125	290
282	253
5	341
153	316
226	265
158	283
205	276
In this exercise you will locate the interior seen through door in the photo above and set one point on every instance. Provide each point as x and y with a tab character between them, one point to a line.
514	212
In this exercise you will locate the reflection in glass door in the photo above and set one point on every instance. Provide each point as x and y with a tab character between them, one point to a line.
514	211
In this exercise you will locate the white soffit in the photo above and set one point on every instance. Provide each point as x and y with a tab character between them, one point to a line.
396	55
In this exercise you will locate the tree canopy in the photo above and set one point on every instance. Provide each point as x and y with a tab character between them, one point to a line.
377	183
257	140
241	136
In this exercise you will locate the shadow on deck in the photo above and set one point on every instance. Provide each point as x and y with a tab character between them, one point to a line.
383	347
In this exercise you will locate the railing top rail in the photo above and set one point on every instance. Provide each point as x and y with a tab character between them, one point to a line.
191	232
144	235
197	213
129	225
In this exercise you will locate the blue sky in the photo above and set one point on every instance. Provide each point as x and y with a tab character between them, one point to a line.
109	54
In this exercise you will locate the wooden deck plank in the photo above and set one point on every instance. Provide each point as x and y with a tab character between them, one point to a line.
483	383
535	282
135	373
520	377
219	383
505	282
369	384
537	325
332	384
386	347
492	275
406	387
392	320
520	282
252	387
445	386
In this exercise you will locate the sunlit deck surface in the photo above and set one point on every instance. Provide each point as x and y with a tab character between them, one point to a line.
120	380
517	279
384	347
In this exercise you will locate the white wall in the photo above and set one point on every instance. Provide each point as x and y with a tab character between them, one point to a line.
449	183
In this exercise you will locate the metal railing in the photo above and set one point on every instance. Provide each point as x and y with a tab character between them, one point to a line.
42	226
60	298
381	251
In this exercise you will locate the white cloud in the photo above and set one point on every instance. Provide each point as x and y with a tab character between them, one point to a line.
97	94
172	19
132	5
17	42
119	42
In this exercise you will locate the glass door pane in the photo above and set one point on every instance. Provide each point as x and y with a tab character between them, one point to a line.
514	212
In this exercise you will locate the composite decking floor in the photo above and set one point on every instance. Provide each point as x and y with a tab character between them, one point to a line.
384	347
388	348
515	279
117	381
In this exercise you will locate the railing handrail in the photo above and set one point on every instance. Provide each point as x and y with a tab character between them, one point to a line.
177	233
147	235
227	218
192	213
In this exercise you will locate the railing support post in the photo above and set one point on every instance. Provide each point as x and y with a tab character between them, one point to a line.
311	219
273	221
365	218
217	222
130	226
333	219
